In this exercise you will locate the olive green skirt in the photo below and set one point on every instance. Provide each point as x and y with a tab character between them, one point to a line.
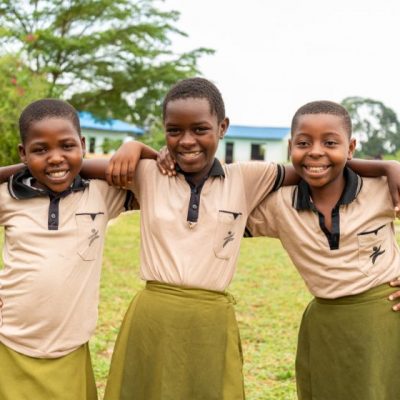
65	378
177	344
349	348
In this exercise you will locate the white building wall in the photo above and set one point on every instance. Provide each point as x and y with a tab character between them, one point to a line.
275	151
100	136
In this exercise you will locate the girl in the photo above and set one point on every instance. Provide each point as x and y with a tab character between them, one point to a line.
179	338
54	224
338	230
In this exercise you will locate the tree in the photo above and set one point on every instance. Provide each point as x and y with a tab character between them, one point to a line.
19	87
375	126
110	57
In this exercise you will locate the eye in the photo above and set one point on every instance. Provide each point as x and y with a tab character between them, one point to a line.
69	146
330	143
302	143
201	130
173	131
38	150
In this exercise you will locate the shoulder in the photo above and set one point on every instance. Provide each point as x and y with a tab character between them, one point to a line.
282	197
375	193
102	188
250	168
376	186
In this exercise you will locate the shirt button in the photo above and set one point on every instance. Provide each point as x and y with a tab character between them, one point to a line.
52	215
194	206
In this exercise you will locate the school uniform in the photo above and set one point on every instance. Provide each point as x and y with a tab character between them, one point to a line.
349	336
179	339
49	286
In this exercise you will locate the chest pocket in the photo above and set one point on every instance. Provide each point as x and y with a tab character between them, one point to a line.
89	231
372	248
227	233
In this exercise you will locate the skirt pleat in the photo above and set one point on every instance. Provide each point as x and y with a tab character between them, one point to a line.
65	378
177	344
349	348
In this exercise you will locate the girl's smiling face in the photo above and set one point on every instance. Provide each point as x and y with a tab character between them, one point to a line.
53	151
192	134
319	148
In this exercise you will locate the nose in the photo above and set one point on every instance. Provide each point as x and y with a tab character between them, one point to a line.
55	157
187	139
316	150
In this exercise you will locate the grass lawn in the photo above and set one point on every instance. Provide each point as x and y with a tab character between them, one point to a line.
270	299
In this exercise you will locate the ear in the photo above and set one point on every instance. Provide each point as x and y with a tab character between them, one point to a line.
223	127
352	147
83	143
22	154
289	145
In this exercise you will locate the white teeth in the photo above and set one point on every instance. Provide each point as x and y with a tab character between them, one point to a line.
316	169
57	174
191	154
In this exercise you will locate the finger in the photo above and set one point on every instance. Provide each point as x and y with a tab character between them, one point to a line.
163	163
123	174
131	172
159	165
115	176
394	295
396	307
395	282
170	161
109	171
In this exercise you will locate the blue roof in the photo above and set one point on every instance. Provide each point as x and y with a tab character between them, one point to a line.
257	132
89	121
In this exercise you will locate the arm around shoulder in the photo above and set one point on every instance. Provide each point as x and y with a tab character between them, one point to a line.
120	169
376	168
7	171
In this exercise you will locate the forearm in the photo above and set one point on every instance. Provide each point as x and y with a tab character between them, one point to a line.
147	152
371	168
122	164
291	176
94	168
7	171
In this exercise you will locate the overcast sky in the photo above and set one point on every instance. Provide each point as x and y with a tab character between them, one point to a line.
272	56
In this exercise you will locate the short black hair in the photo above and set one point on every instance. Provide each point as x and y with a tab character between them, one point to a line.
47	108
197	88
323	107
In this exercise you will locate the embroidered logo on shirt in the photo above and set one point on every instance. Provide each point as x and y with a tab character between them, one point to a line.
376	253
228	238
93	236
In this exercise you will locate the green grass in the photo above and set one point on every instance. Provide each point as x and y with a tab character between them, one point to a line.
270	299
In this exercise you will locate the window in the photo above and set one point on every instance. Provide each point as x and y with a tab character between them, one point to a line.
92	145
229	152
257	152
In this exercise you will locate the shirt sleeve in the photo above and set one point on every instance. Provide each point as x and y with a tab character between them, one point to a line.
263	219
116	200
260	179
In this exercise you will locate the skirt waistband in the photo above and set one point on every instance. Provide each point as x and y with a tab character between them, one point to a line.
188	292
375	293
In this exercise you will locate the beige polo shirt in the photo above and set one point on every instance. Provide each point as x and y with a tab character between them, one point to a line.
191	235
359	253
52	254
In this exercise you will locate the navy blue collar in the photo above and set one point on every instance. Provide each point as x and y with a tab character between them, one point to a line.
20	188
302	193
215	170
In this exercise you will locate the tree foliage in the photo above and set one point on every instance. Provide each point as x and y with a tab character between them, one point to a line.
110	57
19	88
375	126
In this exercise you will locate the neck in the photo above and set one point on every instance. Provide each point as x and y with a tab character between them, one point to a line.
326	197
